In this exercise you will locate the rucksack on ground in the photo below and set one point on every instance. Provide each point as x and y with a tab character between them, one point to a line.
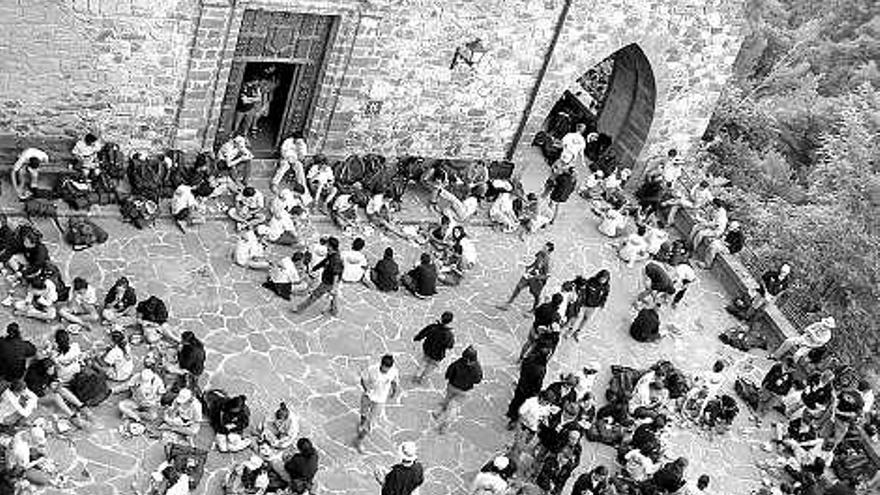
153	310
349	171
139	211
112	161
146	176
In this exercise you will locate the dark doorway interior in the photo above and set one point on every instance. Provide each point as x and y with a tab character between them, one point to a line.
275	81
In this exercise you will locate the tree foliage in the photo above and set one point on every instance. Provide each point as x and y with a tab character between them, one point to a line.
797	132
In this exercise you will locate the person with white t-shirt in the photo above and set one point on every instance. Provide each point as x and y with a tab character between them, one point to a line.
26	172
39	302
67	357
250	253
117	362
712	229
573	145
684	277
380	383
354	263
248	209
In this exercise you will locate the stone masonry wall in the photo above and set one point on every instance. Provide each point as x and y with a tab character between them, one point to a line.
116	66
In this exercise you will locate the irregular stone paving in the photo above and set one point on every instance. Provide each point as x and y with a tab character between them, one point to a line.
257	347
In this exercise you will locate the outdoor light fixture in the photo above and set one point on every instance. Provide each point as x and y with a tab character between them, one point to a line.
471	53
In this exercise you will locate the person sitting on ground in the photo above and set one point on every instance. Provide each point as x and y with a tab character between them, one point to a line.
379	214
17	404
655	237
30	256
168	480
249	252
594	482
421	281
229	417
146	390
190	356
39	301
649	438
593	186
321	182
705	389
185	208
280	431
650	194
294	152
457	209
354	263
634	248
440	235
343	211
697	199
248	210
613	223
42	380
658	284
645	327
684	277
502	214
250	477
670	477
477	179
286	276
117	361
25	174
731	242
712	229
385	276
814	336
775	282
86	153
529	216
82	308
234	157
184	415
119	302
281	228
14	353
556	468
461	257
300	470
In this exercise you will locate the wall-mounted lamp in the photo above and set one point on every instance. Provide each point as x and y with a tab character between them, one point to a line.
471	53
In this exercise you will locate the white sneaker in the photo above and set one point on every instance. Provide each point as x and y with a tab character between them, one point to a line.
74	329
7	302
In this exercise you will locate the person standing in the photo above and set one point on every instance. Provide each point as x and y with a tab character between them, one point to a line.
331	274
563	185
547	319
574	144
592	295
535	277
380	382
26	173
403	478
438	338
462	375
531	377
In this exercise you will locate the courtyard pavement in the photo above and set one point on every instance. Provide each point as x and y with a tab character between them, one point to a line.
256	346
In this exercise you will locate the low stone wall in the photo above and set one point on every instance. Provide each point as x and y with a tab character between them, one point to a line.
738	281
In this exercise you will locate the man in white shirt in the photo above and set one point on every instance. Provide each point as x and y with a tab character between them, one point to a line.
146	392
86	152
380	382
532	413
16	403
354	263
237	157
712	229
573	145
293	154
815	335
248	209
26	172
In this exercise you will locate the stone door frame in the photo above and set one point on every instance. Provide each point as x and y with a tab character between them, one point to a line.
213	49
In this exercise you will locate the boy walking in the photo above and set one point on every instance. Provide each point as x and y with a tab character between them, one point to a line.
438	338
380	382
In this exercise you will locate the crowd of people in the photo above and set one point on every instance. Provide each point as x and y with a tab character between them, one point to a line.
161	392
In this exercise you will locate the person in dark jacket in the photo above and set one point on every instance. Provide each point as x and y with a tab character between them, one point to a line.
595	482
563	186
776	384
557	467
731	242
646	326
547	319
670	477
591	295
421	281
406	476
331	275
531	377
302	467
230	417
191	354
14	353
438	338
120	301
386	274
775	282
462	375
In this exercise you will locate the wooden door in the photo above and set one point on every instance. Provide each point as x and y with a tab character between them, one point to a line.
280	37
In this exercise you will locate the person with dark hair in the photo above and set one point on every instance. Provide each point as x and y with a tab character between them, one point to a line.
531	376
775	385
248	210
592	294
39	301
280	430
646	325
287	276
670	476
167	480
67	356
14	353
684	277
775	282
146	390
117	362
462	375
563	185
26	173
421	280
438	338
711	229
658	284
119	302
354	263
380	383
234	158
190	355
556	467
230	417
86	153
386	274
731	241
535	278
82	307
17	403
405	477
547	320
634	248
302	467
594	482
331	272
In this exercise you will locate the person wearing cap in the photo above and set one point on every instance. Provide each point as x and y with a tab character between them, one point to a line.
146	390
380	383
331	272
814	336
462	375
404	477
535	278
26	173
438	338
184	415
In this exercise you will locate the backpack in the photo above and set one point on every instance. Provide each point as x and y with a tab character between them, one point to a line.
153	310
187	460
75	193
112	161
349	171
501	170
146	176
141	212
40	208
90	386
82	233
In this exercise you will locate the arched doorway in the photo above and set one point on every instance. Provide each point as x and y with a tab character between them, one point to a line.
615	97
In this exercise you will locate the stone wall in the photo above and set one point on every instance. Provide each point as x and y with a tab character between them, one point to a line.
116	66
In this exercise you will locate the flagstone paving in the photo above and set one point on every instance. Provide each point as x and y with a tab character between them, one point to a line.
258	347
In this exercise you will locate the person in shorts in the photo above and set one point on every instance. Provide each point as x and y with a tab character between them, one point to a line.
82	308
